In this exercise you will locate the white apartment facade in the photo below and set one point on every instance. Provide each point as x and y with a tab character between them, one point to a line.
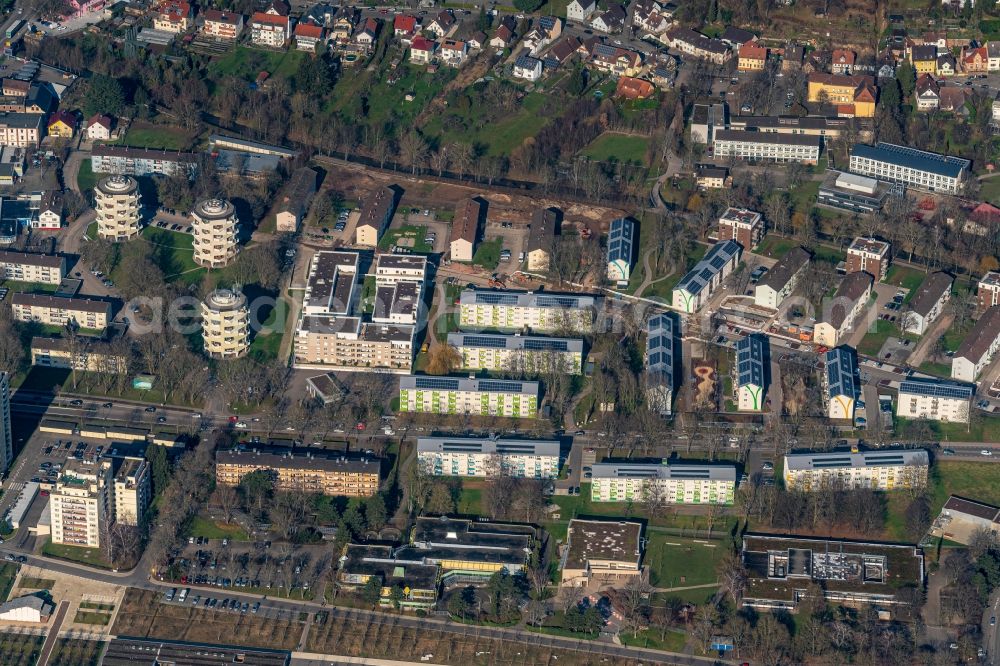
519	354
540	312
27	267
918	169
483	457
673	484
935	400
131	490
696	288
59	310
476	397
118	206
215	230
767	146
875	470
225	324
978	348
80	505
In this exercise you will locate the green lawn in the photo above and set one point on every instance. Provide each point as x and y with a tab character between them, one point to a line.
932	368
412	237
174	252
90	617
500	137
774	246
37	583
86	178
488	254
45	379
161	137
211	529
92	231
91	556
620	147
907	278
245	63
828	254
677	562
554	625
7	574
470	502
804	196
952	338
967	479
30	287
989	190
673	640
873	340
983	429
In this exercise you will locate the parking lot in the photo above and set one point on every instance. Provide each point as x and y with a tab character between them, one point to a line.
513	238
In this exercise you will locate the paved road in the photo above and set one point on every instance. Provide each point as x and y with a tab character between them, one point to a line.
50	638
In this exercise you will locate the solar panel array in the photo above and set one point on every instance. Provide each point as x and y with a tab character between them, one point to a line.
441	383
558	301
620	240
711	265
842	373
660	346
513	342
491	341
750	352
492	298
937	389
545	344
497	386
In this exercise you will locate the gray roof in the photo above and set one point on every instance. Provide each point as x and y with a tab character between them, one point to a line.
769	137
711	264
981	337
515	342
842	376
22	120
665	471
528	299
843	459
286	459
30	259
930	292
905	156
543	229
430	383
785	269
751	356
27	601
524	447
936	388
61	303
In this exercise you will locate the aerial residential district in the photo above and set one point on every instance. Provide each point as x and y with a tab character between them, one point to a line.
473	333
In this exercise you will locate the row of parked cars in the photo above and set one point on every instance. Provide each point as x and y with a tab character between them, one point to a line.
211	602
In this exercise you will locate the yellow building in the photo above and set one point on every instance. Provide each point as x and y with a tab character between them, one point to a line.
62	125
312	472
924	58
852	95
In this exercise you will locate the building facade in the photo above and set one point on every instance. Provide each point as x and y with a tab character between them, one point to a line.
60	310
978	347
928	303
21	130
766	146
696	288
118	207
603	551
875	470
87	354
752	372
28	267
123	160
868	255
674	484
477	397
779	282
935	400
536	311
841	383
849	302
988	290
521	354
80	505
323	473
375	216
465	230
215	229
662	345
483	457
918	169
131	488
746	227
225	324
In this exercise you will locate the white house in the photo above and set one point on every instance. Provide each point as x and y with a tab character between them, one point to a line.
528	68
99	128
848	303
580	10
927	304
29	608
978	347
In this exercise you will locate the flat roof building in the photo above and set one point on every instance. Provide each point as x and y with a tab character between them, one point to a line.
59	310
767	146
876	470
978	347
601	551
935	400
695	288
961	518
419	581
855	193
869	255
311	472
122	651
467	551
674	484
841	383
744	226
488	456
988	290
542	312
919	169
477	397
518	354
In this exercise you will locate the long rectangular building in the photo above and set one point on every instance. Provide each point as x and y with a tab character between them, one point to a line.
695	288
85	353
541	312
59	310
828	128
311	472
855	193
21	130
142	161
767	146
488	456
875	470
675	484
662	338
752	370
978	347
915	168
935	400
28	267
524	354
477	397
842	383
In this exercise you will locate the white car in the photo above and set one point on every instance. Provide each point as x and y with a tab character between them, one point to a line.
242	425
985	452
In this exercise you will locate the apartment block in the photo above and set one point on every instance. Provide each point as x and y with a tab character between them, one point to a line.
849	302
696	288
215	229
935	400
519	354
869	255
84	353
914	168
746	227
469	216
841	382
221	25
21	130
752	371
622	244
476	397
59	310
988	290
483	457
875	470
978	347
28	267
541	312
662	346
541	238
81	505
779	282
119	208
601	550
767	146
123	160
269	29
375	216
132	491
394	268
675	484
928	303
225	324
6	435
332	474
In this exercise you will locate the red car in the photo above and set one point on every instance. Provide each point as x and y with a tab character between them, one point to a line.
361	425
233	419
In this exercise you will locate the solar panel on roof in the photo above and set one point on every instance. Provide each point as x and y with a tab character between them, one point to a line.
717	262
436	383
543	344
488	298
491	341
494	386
562	301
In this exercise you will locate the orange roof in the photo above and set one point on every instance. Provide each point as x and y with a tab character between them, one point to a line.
272	19
309	30
405	23
632	88
751	51
843	57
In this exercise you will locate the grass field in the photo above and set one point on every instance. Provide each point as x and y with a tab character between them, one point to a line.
174	253
412	237
92	617
161	137
905	277
773	246
488	254
932	368
470	502
967	479
246	63
982	429
874	339
677	562
37	583
91	556
86	178
620	147
989	190
211	529
952	338
7	574
673	640
45	379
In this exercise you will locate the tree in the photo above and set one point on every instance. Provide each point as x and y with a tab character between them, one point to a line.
441	500
375	512
907	78
444	359
256	489
372	591
159	468
104	95
918	517
527	5
396	596
227	498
